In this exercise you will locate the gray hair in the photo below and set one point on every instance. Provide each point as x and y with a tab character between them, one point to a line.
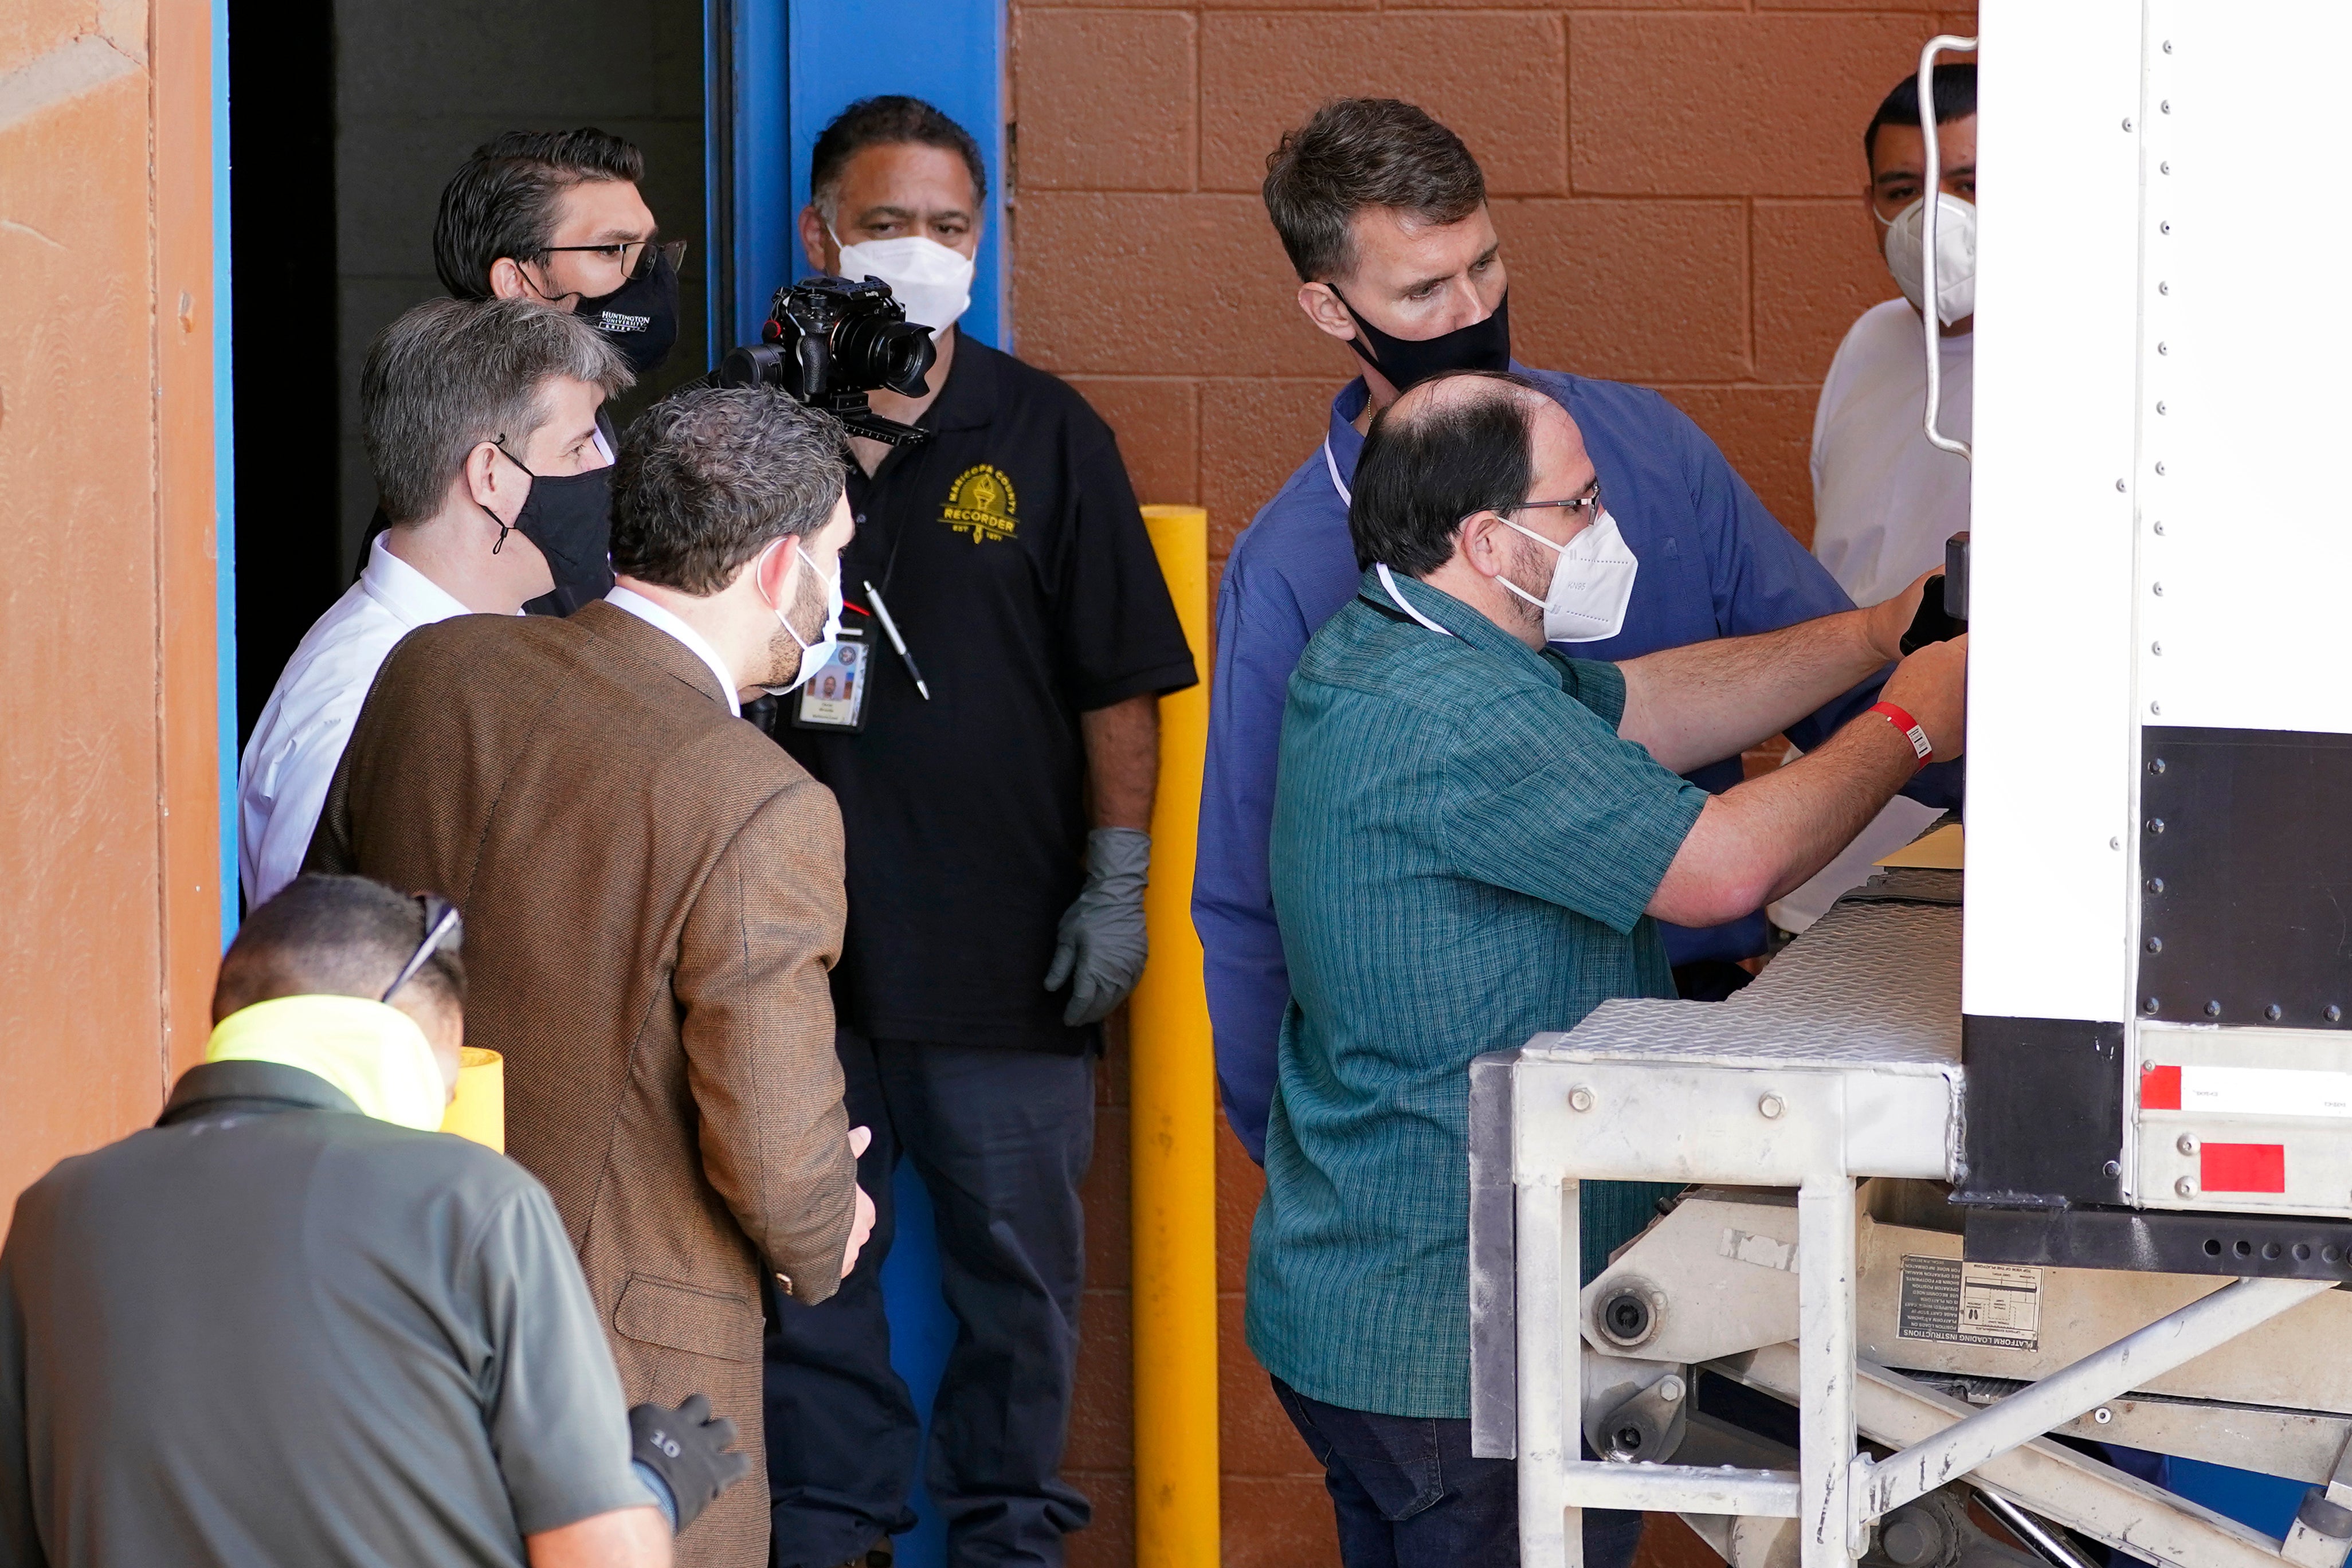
709	477
452	374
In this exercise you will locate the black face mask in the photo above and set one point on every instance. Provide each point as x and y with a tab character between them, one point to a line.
640	317
1480	345
570	517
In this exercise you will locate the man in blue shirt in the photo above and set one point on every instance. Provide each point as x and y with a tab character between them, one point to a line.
1474	840
1383	212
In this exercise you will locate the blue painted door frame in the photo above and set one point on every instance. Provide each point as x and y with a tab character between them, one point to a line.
778	72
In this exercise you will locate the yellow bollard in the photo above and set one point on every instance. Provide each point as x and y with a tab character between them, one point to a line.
1172	1120
480	1111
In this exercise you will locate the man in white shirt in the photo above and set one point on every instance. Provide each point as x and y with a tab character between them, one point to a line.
479	417
1883	499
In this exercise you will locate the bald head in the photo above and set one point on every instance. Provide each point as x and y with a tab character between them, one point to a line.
1448	447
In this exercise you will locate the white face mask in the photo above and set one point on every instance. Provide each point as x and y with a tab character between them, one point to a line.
933	282
1956	256
813	655
1592	583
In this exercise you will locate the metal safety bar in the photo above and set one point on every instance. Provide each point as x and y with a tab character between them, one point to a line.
1932	323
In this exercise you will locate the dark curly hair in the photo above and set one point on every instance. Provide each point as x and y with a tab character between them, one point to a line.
709	477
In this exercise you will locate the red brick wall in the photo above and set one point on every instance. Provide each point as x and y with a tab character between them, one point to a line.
1675	186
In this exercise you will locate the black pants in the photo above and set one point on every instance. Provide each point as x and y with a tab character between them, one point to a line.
1001	1139
1409	1494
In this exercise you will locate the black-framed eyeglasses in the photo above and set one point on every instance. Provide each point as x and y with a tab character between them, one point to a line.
636	256
444	932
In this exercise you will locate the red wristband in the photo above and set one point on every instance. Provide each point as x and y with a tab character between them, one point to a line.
1908	728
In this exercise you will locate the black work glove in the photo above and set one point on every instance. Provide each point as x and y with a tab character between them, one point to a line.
1100	947
687	1448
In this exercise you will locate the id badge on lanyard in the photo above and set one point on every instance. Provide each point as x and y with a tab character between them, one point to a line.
835	697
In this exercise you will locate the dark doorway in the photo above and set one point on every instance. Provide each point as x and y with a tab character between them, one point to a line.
281	75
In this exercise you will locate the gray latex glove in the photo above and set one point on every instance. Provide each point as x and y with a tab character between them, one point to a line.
1099	946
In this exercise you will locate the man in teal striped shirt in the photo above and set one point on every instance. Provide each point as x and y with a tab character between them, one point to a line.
1473	840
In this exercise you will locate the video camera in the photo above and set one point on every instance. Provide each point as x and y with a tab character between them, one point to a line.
828	343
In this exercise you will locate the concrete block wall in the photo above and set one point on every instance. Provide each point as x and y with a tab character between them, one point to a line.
1677	186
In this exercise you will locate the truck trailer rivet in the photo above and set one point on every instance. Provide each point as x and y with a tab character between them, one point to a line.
1771	1105
2164	168
2156	884
2158	526
2271	1012
2334	1013
2119	485
2186	1143
2163	287
2127	123
2165	106
1580	1099
2156	944
2157	708
2155	825
2157	588
2185	1188
2156	765
2113	1168
2159	468
2103	1415
2150	1005
2159	402
2213	1009
2157	649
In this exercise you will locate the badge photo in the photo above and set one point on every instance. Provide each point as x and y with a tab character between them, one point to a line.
835	697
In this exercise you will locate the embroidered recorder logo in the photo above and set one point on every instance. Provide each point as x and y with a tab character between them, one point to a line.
980	503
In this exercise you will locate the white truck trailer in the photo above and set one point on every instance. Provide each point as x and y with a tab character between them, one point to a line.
2070	1153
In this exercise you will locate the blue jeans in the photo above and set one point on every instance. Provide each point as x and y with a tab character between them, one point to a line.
1409	1494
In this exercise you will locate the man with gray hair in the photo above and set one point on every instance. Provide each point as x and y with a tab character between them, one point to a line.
653	896
479	417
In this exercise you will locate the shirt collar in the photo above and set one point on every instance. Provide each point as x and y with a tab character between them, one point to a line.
654	616
412	598
1472	628
967	399
263	1086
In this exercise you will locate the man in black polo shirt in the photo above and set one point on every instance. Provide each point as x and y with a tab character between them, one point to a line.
290	1324
995	782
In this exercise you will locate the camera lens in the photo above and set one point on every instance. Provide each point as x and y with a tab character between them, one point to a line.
871	352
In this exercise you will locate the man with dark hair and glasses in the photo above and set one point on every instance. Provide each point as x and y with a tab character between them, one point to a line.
555	218
1383	213
293	1323
1477	839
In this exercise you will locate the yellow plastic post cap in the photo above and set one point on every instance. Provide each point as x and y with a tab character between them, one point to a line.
480	1111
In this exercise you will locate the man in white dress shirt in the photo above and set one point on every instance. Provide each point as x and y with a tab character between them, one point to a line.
479	417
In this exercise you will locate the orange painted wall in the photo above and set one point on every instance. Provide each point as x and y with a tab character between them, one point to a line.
1675	183
108	815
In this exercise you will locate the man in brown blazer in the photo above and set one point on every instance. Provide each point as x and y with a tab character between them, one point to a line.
653	896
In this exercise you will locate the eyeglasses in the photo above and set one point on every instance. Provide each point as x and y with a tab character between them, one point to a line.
636	256
443	930
1586	506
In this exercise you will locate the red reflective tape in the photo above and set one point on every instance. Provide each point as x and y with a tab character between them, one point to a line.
2241	1167
2160	1088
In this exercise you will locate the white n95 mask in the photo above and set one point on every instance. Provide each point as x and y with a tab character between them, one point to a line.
813	655
933	282
1956	256
1592	583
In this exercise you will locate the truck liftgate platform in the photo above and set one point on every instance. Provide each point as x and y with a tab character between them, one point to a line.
2096	1181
